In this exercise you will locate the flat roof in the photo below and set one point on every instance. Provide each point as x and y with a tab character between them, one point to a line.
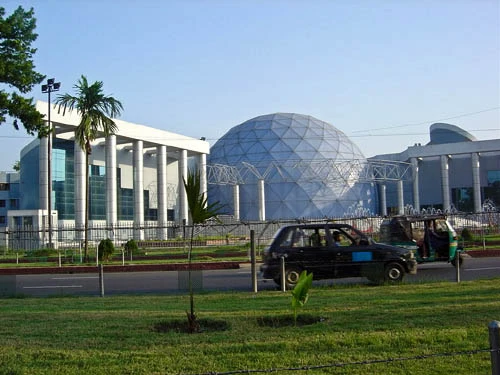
127	132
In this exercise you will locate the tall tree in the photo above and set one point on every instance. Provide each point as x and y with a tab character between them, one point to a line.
96	111
199	211
17	70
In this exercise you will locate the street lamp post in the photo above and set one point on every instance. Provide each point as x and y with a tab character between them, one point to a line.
48	88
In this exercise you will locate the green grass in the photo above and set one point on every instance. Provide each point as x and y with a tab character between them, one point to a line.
116	335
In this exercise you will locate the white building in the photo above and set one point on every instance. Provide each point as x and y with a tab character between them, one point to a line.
135	176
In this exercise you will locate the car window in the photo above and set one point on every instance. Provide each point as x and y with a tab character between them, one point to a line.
287	239
340	239
304	237
315	237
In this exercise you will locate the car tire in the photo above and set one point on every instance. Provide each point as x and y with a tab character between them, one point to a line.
292	275
394	273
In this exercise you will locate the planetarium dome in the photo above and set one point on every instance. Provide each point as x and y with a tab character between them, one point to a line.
310	169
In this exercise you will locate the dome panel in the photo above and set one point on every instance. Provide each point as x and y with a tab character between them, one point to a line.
281	147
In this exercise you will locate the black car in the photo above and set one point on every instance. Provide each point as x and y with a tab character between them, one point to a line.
334	250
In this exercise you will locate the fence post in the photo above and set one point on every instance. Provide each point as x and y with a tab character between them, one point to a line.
282	264
494	330
101	279
457	264
253	260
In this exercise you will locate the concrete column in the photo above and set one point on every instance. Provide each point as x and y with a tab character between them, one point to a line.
383	199
80	188
161	190
476	182
416	192
111	181
202	165
236	202
43	182
401	204
138	190
262	200
445	183
183	172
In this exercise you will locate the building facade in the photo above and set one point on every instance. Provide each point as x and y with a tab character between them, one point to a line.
135	176
453	172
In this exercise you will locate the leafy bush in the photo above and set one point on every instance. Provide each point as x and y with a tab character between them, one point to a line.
106	249
131	247
43	252
466	234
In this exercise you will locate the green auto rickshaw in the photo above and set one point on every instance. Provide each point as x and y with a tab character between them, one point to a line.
431	237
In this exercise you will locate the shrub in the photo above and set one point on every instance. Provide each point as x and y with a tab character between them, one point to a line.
466	234
106	249
131	247
45	252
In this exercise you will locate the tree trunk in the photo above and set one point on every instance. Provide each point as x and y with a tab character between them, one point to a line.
193	325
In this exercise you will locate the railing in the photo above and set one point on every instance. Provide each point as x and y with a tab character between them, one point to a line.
483	227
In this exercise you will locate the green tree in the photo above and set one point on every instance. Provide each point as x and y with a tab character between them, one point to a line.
17	166
105	249
17	70
199	212
96	111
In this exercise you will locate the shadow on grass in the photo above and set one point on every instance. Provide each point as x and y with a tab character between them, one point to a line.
279	321
181	326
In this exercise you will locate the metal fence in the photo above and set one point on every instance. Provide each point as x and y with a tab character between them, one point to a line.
227	231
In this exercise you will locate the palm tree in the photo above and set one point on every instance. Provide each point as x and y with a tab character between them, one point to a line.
199	211
96	112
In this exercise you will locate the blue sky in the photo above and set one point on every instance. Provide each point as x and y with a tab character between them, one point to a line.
381	71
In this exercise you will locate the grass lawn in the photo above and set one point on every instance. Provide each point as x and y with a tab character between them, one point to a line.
246	331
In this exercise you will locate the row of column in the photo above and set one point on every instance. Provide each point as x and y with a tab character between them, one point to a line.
445	186
138	184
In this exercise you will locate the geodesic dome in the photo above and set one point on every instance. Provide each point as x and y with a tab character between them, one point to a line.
310	168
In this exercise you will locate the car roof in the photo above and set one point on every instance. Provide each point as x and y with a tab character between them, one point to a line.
319	225
417	218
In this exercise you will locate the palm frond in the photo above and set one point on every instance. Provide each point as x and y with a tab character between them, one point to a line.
95	109
199	208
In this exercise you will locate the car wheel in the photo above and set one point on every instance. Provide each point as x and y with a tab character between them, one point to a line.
394	273
292	275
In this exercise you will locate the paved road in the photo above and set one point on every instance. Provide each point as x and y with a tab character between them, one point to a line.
235	279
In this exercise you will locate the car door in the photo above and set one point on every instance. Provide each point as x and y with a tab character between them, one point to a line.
351	254
311	252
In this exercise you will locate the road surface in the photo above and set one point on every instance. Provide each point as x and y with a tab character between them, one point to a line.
233	279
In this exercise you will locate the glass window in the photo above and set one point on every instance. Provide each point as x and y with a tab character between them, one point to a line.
462	199
493	176
14	203
2	202
4	186
3	220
